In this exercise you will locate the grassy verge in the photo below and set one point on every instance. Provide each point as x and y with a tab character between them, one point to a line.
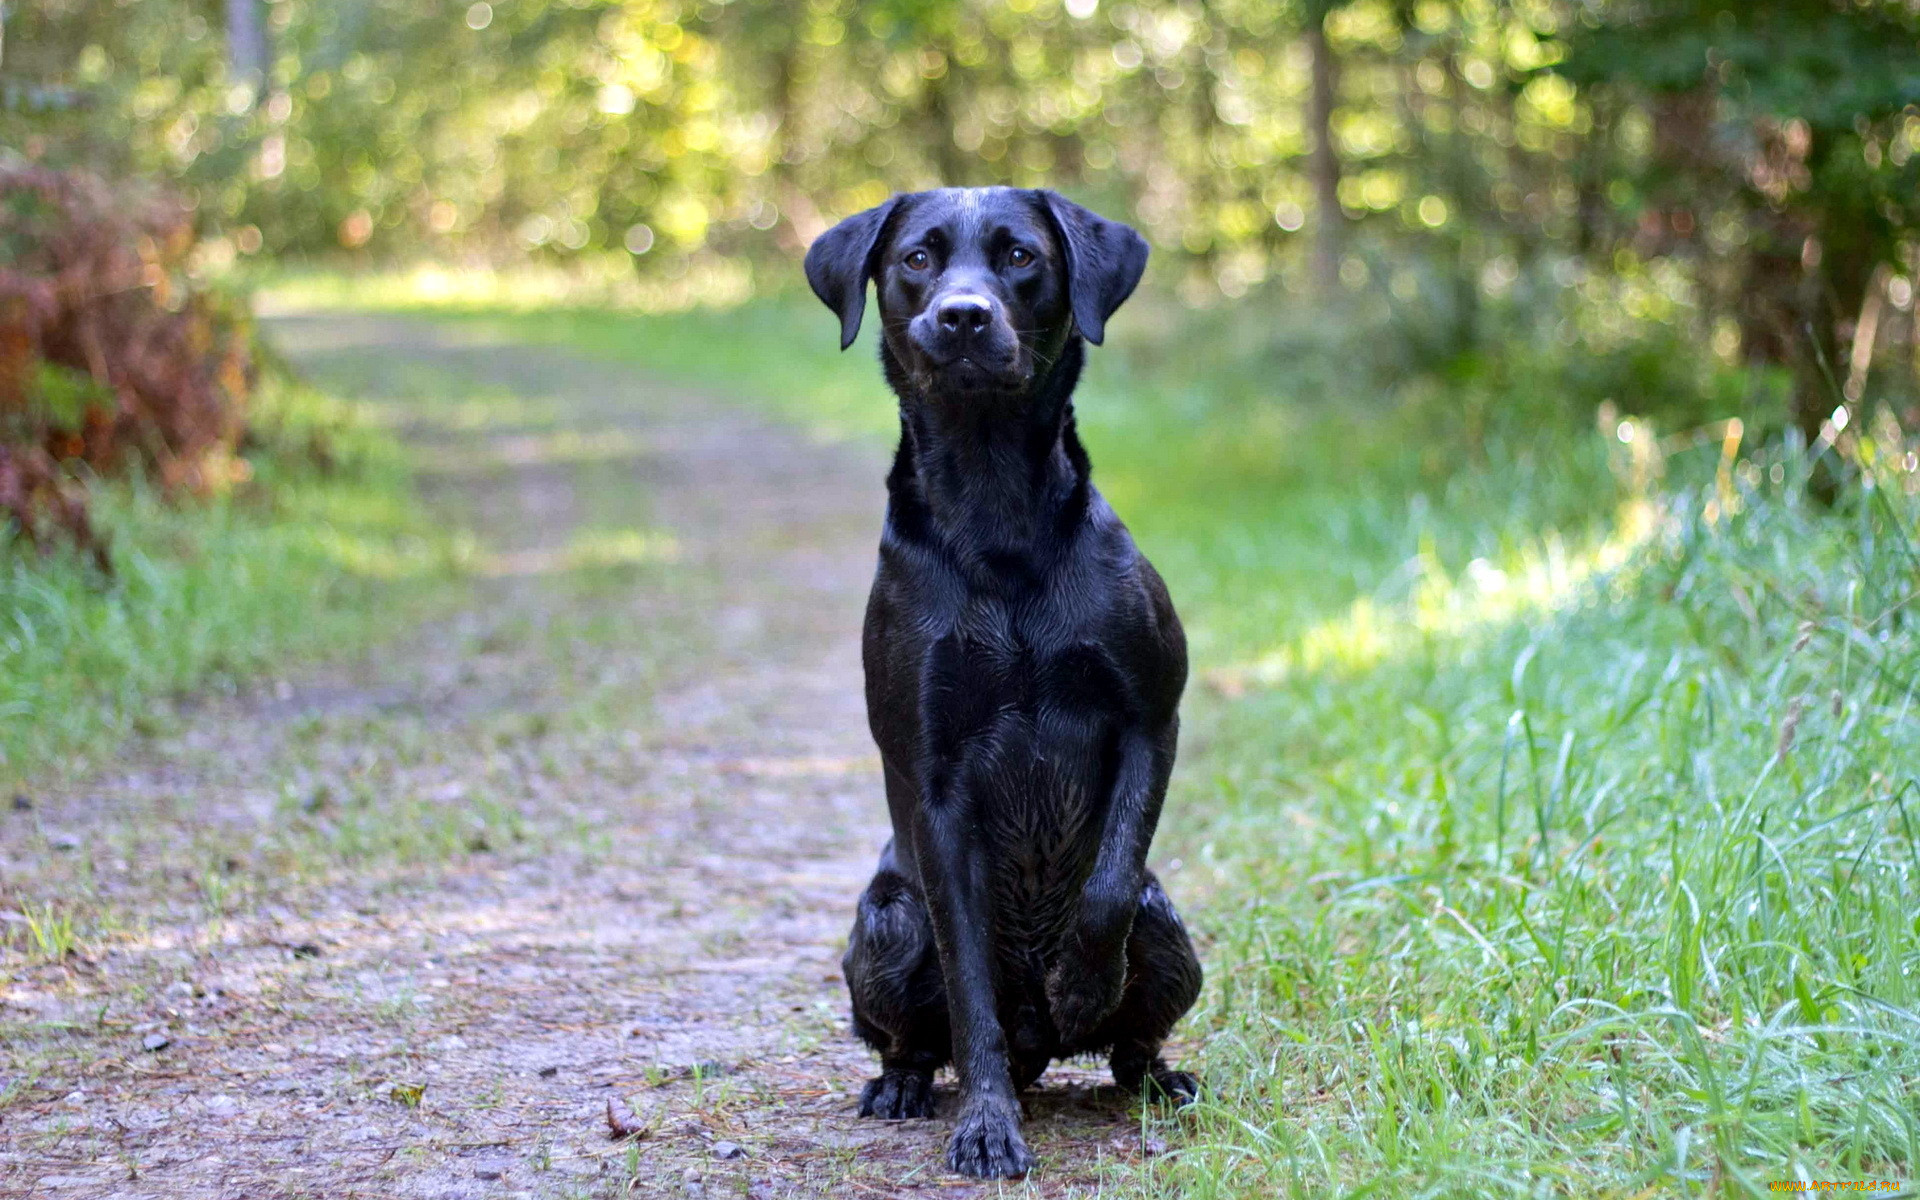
1613	898
205	593
1552	833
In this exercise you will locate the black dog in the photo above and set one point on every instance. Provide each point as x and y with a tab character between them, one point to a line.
1024	668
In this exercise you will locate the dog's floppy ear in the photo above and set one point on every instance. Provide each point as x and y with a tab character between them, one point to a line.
1105	260
841	260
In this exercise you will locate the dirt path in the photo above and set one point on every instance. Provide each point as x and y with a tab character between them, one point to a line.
403	927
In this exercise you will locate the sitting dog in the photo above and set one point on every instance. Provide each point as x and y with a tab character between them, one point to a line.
1023	674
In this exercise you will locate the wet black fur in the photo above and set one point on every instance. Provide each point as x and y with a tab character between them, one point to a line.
1024	668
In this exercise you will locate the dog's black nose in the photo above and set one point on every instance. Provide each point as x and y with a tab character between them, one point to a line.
964	314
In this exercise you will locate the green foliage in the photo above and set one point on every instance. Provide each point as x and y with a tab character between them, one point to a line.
58	398
206	590
1758	158
1810	60
1781	132
1612	896
49	933
741	127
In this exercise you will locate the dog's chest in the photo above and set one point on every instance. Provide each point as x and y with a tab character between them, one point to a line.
1024	713
1029	674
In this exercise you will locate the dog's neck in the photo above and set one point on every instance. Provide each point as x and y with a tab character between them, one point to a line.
1001	473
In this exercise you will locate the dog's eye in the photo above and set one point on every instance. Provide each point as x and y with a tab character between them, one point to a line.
918	260
1020	256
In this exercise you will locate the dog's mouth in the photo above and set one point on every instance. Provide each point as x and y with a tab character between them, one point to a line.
974	373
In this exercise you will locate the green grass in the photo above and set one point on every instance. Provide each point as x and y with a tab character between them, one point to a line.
205	593
1615	899
1550	824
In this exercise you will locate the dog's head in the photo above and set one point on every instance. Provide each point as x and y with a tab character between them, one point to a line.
979	287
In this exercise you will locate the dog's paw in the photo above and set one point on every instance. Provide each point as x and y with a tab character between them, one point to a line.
898	1096
1080	998
1153	1080
987	1144
1164	1085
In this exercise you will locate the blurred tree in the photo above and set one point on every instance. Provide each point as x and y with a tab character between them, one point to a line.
1324	166
248	52
1793	121
1500	174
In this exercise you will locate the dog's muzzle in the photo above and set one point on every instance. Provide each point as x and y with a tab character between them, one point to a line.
965	339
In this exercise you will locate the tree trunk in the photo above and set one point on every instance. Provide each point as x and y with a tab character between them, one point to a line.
1463	196
1324	163
247	48
1806	278
955	166
800	222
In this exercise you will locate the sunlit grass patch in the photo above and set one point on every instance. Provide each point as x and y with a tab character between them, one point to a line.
278	568
1615	897
606	281
44	931
519	449
1537	579
586	549
776	353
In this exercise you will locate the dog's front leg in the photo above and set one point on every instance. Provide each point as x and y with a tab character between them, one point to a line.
954	878
1086	980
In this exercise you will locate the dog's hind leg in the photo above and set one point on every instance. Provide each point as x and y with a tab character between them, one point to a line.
899	999
1030	1037
1163	980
